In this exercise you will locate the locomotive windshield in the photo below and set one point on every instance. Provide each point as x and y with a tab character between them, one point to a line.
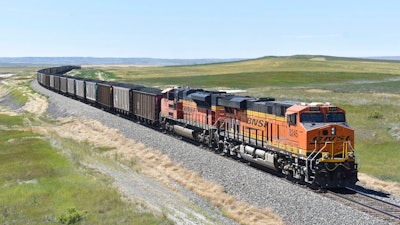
335	117
312	118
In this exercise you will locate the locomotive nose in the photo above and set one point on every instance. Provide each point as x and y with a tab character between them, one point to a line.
335	141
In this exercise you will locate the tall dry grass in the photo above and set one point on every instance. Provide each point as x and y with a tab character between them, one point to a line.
159	166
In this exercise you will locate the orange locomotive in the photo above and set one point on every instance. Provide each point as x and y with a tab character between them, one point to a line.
307	142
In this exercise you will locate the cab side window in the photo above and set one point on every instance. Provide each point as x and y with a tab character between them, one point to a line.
291	119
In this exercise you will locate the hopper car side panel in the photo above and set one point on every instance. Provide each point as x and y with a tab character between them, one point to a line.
71	86
146	106
57	83
105	95
51	83
91	91
63	84
121	100
80	89
46	80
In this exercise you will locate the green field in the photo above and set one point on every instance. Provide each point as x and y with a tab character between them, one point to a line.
43	179
42	186
369	90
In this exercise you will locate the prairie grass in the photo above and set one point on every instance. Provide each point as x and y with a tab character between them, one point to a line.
286	79
267	64
9	121
39	184
19	97
96	74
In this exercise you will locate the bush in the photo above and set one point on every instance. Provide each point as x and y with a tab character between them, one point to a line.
71	216
375	115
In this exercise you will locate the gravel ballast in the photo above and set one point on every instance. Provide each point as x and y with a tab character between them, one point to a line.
295	205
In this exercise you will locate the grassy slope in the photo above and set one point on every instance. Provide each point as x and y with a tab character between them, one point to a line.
39	184
363	87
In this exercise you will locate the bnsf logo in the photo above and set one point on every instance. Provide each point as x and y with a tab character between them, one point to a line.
330	138
256	122
188	109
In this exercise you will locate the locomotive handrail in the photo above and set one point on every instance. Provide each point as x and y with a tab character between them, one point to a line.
326	143
315	149
220	119
309	166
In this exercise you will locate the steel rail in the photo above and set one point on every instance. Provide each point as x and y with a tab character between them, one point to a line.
389	213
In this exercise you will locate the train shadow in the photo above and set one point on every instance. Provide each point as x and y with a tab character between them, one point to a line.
369	191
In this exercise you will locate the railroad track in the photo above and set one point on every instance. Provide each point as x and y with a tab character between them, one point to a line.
362	199
364	202
358	198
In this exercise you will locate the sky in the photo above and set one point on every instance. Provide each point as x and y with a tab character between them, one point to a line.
184	29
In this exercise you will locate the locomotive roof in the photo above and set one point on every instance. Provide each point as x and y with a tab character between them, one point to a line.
206	98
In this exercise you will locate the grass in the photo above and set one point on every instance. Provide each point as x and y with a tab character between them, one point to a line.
19	97
269	64
43	181
95	74
382	155
287	79
39	185
8	121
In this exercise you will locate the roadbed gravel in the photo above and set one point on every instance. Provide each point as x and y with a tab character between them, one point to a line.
293	204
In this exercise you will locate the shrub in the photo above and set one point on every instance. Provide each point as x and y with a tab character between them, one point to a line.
375	115
71	216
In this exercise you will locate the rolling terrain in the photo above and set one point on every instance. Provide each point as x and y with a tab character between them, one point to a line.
366	89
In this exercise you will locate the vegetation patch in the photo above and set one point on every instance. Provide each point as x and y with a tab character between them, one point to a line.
43	183
39	185
9	120
288	79
95	74
18	96
70	216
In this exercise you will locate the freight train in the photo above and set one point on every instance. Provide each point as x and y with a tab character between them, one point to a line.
307	142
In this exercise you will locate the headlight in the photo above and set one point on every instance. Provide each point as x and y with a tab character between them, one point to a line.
351	154
326	155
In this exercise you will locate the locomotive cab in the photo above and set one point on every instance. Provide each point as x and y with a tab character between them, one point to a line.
326	141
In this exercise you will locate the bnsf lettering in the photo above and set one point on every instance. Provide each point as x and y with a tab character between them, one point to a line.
187	109
256	122
330	138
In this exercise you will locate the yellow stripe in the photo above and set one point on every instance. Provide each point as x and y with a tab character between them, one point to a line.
215	108
266	115
186	102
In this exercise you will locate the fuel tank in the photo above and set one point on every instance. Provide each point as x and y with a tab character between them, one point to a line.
257	156
184	132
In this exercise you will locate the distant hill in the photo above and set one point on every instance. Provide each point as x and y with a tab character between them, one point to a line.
51	61
332	58
386	57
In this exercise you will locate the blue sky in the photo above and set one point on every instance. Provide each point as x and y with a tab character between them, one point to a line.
199	29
